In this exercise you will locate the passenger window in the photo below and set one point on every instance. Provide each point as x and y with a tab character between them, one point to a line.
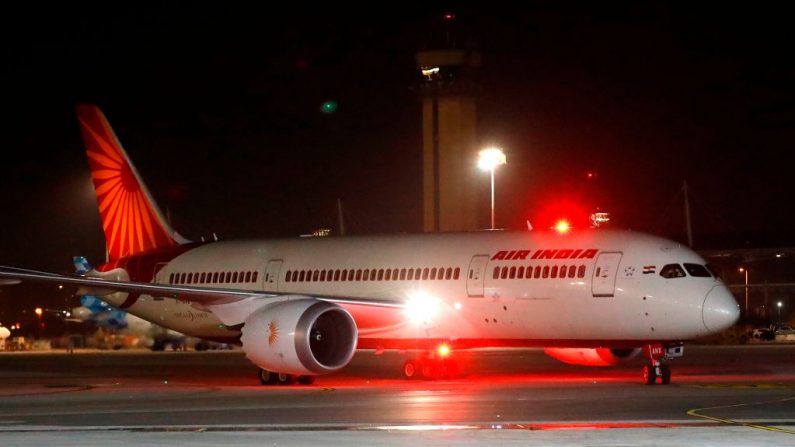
448	274
572	270
380	274
537	272
456	273
697	270
672	271
411	274
496	274
425	272
402	274
433	273
581	271
512	274
520	272
322	275
545	273
254	277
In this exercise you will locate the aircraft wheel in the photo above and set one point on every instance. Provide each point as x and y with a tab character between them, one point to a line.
284	379
649	374
429	369
266	377
665	377
410	370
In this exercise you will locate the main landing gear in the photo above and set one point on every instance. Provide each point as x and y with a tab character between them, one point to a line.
269	378
431	366
655	371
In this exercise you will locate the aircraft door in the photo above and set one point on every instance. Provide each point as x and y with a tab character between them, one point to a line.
476	275
271	279
604	274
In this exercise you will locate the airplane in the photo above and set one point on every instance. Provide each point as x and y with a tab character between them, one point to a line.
109	318
301	307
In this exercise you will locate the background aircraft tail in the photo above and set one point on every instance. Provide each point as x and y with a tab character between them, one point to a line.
131	220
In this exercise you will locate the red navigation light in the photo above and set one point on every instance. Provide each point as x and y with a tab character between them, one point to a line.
562	226
555	211
448	17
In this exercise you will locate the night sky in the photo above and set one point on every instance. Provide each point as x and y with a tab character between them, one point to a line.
218	106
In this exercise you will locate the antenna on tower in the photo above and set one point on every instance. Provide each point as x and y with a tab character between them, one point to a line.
688	223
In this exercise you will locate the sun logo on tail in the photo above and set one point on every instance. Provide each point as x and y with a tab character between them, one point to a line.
273	333
131	222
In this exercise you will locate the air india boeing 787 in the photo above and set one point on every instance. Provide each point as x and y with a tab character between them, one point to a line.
301	307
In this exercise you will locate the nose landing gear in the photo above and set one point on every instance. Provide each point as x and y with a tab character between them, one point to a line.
656	371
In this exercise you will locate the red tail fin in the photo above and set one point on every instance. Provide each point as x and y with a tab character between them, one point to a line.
130	218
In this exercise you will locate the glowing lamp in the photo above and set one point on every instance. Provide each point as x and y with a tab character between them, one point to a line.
490	158
443	350
421	307
562	226
38	311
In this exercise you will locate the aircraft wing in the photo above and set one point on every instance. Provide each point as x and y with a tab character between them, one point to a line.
200	295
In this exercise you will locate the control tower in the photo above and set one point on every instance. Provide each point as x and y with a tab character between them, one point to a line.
449	138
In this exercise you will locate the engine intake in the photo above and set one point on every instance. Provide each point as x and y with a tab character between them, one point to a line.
300	336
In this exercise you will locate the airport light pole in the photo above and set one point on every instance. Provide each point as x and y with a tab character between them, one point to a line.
488	160
779	304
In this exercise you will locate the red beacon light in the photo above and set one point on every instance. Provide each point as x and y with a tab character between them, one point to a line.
562	226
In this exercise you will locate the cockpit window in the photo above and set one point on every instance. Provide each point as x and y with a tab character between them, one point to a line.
697	270
672	271
714	270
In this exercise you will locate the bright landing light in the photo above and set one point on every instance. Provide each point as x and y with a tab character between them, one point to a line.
421	307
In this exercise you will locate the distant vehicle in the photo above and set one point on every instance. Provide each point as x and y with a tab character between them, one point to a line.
785	330
762	334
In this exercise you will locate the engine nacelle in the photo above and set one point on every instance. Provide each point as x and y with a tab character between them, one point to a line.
592	356
303	336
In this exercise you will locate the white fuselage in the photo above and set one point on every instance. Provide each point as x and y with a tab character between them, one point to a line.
611	293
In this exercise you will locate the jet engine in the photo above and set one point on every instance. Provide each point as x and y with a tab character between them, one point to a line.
592	356
301	336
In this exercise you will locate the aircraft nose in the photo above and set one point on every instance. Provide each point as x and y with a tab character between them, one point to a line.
720	310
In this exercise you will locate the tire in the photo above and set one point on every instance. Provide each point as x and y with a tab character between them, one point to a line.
665	378
284	378
266	377
649	374
410	369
